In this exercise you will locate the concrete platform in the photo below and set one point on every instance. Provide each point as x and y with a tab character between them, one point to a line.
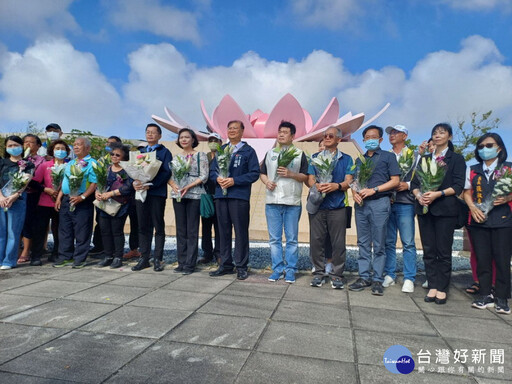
98	325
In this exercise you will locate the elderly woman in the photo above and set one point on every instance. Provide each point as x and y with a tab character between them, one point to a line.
491	232
186	200
12	206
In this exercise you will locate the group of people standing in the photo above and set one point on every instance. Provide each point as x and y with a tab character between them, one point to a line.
385	208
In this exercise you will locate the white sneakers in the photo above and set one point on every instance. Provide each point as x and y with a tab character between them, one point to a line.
408	286
425	284
388	281
5	267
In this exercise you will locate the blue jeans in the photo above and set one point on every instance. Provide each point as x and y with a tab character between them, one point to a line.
401	220
287	216
11	224
371	221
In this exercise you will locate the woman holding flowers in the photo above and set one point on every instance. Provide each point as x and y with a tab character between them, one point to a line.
488	193
438	181
189	172
49	175
118	188
13	205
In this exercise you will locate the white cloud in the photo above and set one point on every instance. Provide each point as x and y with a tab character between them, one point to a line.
51	81
478	5
37	17
156	18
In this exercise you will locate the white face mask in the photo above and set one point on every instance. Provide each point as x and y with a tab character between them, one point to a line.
52	136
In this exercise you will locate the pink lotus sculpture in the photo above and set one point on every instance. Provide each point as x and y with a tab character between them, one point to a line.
261	128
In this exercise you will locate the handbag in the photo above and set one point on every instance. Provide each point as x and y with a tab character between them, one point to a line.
110	206
206	206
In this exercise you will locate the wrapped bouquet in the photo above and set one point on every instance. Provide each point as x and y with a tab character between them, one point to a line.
223	160
430	174
406	163
101	171
324	164
180	168
76	177
285	157
503	187
57	174
142	167
363	172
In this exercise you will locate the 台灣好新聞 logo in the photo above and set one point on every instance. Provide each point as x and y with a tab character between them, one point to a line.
398	359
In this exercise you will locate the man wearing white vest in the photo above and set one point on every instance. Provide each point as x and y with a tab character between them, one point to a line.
283	202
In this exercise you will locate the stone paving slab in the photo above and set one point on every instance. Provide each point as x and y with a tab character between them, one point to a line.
322	295
79	356
171	362
62	313
51	288
268	290
11	304
456	308
372	374
240	306
145	280
270	368
10	283
180	300
235	332
138	321
308	340
374	319
397	301
6	377
99	275
110	294
302	312
17	339
198	284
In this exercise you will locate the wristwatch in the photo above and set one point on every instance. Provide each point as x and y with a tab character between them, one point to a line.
340	187
376	189
83	197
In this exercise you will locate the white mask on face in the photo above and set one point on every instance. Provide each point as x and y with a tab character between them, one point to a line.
52	136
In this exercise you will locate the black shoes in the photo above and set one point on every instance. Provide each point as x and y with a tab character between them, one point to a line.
221	272
359	285
242	275
142	264
204	260
178	269
116	263
377	288
429	299
105	262
36	263
157	266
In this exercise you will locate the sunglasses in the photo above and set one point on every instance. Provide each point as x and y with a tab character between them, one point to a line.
329	136
488	145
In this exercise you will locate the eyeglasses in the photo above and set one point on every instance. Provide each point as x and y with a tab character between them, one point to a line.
329	136
115	155
488	145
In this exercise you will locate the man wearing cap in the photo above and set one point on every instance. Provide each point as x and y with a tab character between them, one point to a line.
233	207
329	216
209	250
372	211
283	203
401	219
53	132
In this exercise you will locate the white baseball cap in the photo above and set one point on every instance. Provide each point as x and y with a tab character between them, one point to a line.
215	136
399	128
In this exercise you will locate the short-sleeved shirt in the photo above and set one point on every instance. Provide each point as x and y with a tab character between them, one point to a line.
89	177
385	166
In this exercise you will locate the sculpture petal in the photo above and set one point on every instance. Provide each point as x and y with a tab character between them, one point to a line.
261	146
173	127
174	117
308	126
329	116
229	110
288	109
259	124
350	125
211	124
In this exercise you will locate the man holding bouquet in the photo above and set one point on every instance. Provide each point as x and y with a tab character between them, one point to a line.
402	214
283	171
372	210
232	195
150	212
74	203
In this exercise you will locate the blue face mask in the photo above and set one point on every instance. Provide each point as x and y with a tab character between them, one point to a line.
488	153
60	154
15	151
371	144
108	149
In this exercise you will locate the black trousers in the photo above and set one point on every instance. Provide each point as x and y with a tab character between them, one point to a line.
233	213
328	227
492	244
112	232
210	251
187	216
97	238
133	240
42	219
150	215
29	225
436	234
75	230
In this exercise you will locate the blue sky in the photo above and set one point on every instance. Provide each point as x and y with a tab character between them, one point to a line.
107	66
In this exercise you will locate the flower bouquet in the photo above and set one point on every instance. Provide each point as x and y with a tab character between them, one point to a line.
406	163
503	187
431	174
180	167
101	170
363	173
285	157
76	177
324	165
57	174
142	167
18	181
223	160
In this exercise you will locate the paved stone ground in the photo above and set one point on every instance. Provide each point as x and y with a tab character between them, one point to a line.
116	326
